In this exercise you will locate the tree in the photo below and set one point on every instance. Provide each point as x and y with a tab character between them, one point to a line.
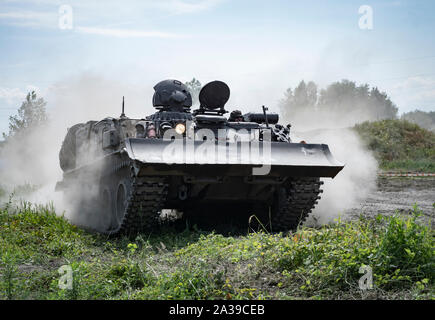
346	97
302	99
382	107
342	102
311	94
194	87
31	115
286	104
338	96
301	95
423	119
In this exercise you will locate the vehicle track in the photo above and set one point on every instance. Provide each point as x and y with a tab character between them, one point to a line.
399	194
145	198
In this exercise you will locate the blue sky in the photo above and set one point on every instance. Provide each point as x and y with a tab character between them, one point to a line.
259	47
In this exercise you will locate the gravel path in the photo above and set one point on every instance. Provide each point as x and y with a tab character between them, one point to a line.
398	195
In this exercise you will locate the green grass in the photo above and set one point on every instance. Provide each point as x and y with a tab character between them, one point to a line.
399	145
308	264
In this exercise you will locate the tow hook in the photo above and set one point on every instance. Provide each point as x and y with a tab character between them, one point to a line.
182	192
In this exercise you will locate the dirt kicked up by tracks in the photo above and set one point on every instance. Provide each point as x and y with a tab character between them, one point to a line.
399	194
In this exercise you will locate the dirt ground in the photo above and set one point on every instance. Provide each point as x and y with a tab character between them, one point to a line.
399	194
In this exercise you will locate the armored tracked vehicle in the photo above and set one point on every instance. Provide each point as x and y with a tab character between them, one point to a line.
123	172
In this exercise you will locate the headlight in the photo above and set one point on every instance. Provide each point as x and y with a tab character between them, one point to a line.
180	128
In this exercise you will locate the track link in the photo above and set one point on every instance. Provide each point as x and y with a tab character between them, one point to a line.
294	203
146	196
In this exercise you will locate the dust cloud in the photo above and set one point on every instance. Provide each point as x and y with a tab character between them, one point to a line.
357	179
34	159
79	99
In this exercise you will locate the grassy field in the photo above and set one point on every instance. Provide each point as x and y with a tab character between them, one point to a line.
399	145
319	263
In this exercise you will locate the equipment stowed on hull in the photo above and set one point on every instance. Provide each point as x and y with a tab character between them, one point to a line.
199	163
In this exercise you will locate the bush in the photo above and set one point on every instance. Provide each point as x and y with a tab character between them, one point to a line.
310	263
399	144
400	252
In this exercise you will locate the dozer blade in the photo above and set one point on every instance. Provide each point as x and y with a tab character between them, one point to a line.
188	157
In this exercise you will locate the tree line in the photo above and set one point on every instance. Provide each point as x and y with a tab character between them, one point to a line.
342	97
339	98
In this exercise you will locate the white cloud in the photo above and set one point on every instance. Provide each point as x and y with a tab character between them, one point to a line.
45	14
183	6
16	95
125	33
111	8
415	92
11	94
29	18
424	83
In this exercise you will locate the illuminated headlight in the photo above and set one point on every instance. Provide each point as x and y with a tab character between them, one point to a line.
180	128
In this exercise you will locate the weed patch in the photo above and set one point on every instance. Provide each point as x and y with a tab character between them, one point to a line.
399	145
321	263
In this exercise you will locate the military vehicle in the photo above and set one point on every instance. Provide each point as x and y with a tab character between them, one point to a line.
200	163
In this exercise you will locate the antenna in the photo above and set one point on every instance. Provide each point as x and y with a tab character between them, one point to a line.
265	116
122	114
